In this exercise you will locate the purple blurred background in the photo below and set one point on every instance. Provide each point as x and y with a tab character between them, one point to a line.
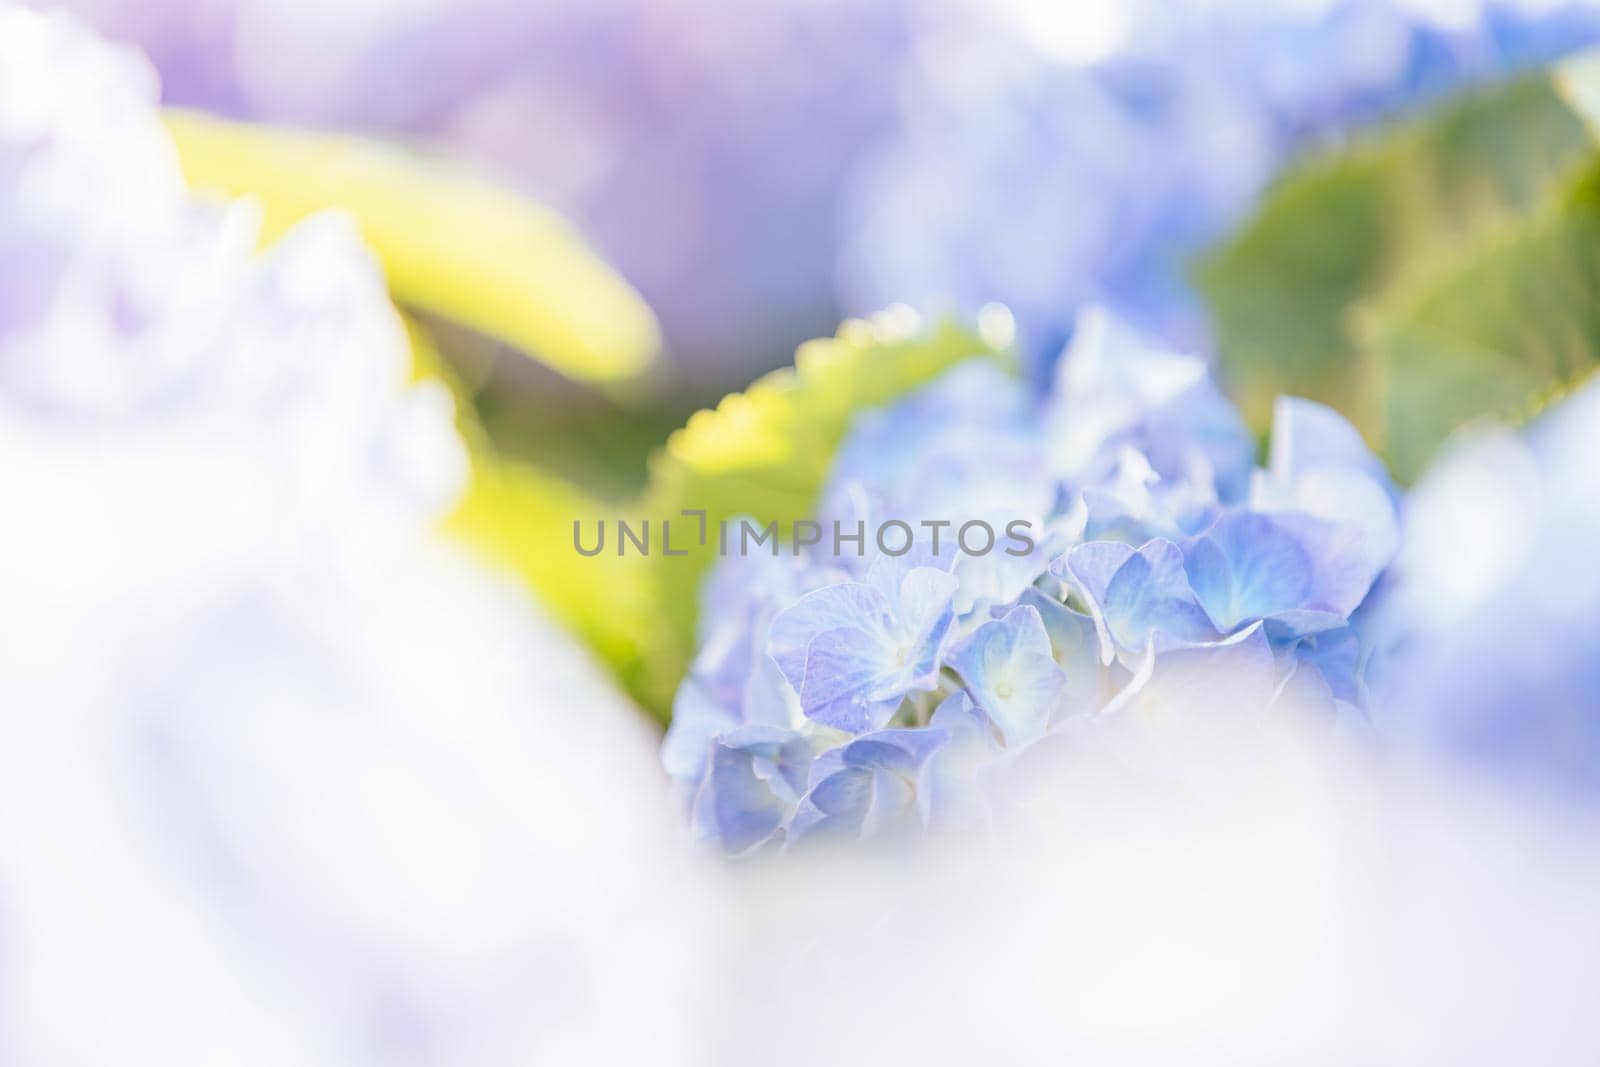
758	170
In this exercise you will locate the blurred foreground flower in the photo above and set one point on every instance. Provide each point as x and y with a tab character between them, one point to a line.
1149	578
285	779
1497	603
1258	920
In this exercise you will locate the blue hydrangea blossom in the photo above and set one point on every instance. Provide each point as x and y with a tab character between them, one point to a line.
892	694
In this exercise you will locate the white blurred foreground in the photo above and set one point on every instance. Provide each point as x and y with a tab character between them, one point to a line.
468	861
414	826
1420	926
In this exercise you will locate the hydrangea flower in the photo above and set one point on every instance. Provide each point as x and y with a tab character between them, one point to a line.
853	650
1492	624
1016	176
1157	575
283	779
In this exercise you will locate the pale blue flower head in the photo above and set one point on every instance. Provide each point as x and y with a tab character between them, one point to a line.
901	694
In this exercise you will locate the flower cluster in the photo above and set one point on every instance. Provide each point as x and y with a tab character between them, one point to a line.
874	692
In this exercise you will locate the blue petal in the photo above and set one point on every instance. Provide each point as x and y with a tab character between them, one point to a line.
1345	496
1307	436
741	596
752	785
886	448
1337	653
900	751
1116	387
1288	627
852	650
957	449
887	574
869	785
1343	570
768	698
948	789
844	794
1075	648
999	578
927	613
1232	682
851	606
1092	565
1144	599
1320	466
1089	568
855	803
1248	567
850	683
1008	668
696	719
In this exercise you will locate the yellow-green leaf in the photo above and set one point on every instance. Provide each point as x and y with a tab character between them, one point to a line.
451	243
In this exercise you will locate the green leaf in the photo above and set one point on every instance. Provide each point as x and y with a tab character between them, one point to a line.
1349	227
1513	322
450	243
